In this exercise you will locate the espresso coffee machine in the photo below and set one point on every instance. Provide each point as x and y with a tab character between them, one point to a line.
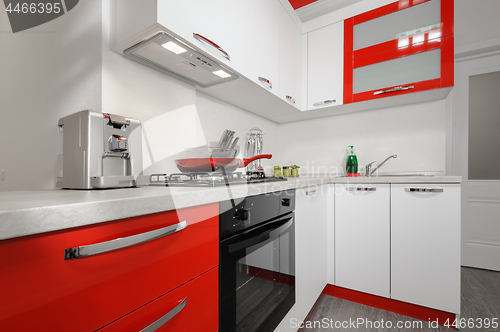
98	150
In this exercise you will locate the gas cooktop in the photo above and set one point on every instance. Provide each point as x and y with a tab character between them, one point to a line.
210	179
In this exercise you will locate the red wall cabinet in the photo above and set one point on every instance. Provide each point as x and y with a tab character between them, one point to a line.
41	289
403	47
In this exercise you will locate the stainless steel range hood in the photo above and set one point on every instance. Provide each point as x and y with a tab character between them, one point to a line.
171	55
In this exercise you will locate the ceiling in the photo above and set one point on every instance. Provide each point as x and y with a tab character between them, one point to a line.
310	9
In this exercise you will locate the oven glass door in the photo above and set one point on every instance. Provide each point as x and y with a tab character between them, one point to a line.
257	277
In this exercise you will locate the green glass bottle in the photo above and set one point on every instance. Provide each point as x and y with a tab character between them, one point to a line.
352	163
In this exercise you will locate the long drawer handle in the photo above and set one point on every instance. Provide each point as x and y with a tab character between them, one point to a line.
290	99
399	88
208	42
164	319
361	189
425	190
266	82
99	248
312	192
324	102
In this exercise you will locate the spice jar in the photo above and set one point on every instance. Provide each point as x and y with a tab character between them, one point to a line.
277	170
294	170
286	171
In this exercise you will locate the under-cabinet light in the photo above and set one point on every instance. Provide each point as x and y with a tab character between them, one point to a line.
173	47
221	73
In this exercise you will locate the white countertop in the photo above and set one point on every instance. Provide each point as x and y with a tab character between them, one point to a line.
31	212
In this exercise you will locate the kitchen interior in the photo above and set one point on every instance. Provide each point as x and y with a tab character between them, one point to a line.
414	239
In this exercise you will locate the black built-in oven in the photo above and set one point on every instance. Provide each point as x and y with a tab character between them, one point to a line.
257	262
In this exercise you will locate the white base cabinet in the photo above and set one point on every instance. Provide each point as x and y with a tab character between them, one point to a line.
310	254
330	235
287	324
425	245
362	238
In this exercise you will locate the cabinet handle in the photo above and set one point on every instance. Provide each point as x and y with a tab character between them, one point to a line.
324	102
312	192
361	189
266	82
425	190
290	99
208	42
399	88
99	248
164	319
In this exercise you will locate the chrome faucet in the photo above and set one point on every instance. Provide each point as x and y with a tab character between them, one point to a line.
370	171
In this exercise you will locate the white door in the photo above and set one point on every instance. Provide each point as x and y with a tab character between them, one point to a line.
477	124
362	238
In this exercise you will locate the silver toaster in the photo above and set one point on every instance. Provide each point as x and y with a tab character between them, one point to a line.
98	150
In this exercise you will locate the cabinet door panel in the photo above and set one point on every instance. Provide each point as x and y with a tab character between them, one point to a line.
310	239
290	60
362	238
264	42
425	246
47	288
325	66
414	68
198	313
221	21
408	43
407	21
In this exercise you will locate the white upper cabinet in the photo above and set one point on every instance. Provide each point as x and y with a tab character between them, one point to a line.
263	39
325	67
220	22
290	62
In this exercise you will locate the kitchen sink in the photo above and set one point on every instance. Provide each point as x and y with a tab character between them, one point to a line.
403	175
390	175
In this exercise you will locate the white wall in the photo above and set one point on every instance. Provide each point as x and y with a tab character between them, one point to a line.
46	73
476	25
175	115
416	133
73	69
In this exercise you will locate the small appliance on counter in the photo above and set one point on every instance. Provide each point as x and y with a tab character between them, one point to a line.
254	147
98	150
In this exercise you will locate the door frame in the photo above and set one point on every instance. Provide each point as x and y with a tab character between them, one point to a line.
477	64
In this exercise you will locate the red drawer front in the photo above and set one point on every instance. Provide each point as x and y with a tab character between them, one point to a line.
40	290
200	312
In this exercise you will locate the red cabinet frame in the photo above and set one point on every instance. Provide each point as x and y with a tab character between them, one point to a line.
390	50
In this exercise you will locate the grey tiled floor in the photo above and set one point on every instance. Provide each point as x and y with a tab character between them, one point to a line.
480	300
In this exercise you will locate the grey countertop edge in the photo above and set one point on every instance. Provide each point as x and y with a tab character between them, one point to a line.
24	213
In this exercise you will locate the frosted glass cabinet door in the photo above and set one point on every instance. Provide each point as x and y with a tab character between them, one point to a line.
414	68
405	22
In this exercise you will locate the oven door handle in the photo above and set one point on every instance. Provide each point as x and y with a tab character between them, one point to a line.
261	237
